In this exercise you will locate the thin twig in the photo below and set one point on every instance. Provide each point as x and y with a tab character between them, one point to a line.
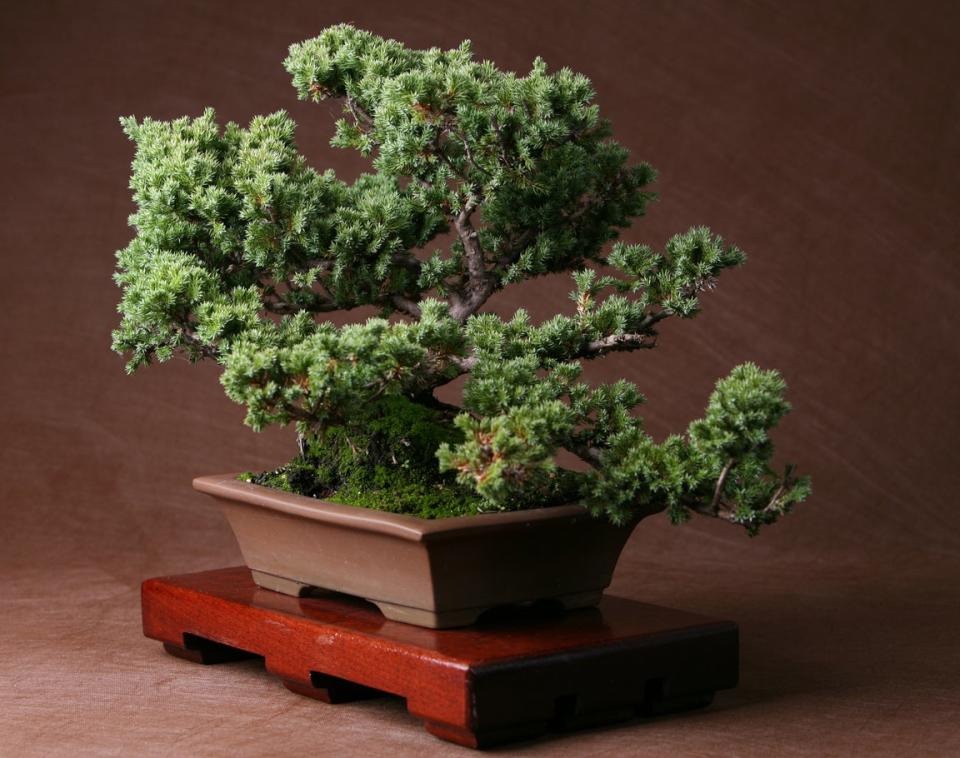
718	490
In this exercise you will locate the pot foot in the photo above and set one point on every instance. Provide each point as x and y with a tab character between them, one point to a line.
467	616
429	619
419	616
281	584
580	599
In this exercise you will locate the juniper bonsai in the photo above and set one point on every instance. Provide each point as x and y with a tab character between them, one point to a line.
241	247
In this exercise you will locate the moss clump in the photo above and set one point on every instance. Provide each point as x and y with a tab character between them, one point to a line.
387	462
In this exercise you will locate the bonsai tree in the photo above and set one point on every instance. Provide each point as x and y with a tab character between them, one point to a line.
482	178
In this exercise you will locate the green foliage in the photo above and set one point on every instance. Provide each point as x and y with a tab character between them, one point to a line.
532	151
231	223
720	468
318	374
689	265
241	247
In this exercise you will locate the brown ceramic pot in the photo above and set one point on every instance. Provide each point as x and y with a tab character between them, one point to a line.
435	573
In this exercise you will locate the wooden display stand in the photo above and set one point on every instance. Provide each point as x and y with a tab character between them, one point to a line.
513	675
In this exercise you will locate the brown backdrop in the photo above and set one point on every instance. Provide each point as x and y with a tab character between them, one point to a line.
823	138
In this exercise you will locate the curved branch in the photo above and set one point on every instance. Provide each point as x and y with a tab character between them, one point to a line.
285	308
406	305
359	113
409	262
480	283
586	453
718	508
718	490
617	342
189	338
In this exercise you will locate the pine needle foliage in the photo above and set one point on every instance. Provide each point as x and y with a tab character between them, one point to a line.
241	248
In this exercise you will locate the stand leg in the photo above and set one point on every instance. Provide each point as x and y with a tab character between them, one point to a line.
487	738
331	689
199	650
676	704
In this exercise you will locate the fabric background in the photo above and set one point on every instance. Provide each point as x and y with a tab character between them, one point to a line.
822	137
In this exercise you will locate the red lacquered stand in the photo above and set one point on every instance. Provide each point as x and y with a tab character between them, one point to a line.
511	676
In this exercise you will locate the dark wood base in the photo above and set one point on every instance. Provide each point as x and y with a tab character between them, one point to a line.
513	675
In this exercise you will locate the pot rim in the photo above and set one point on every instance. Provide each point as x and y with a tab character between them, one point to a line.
403	526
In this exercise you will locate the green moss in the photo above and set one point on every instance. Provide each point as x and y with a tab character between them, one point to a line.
388	461
385	460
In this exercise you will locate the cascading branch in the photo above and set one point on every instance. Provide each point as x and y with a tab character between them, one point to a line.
241	247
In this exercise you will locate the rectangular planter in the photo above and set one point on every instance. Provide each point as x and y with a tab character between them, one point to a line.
435	573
